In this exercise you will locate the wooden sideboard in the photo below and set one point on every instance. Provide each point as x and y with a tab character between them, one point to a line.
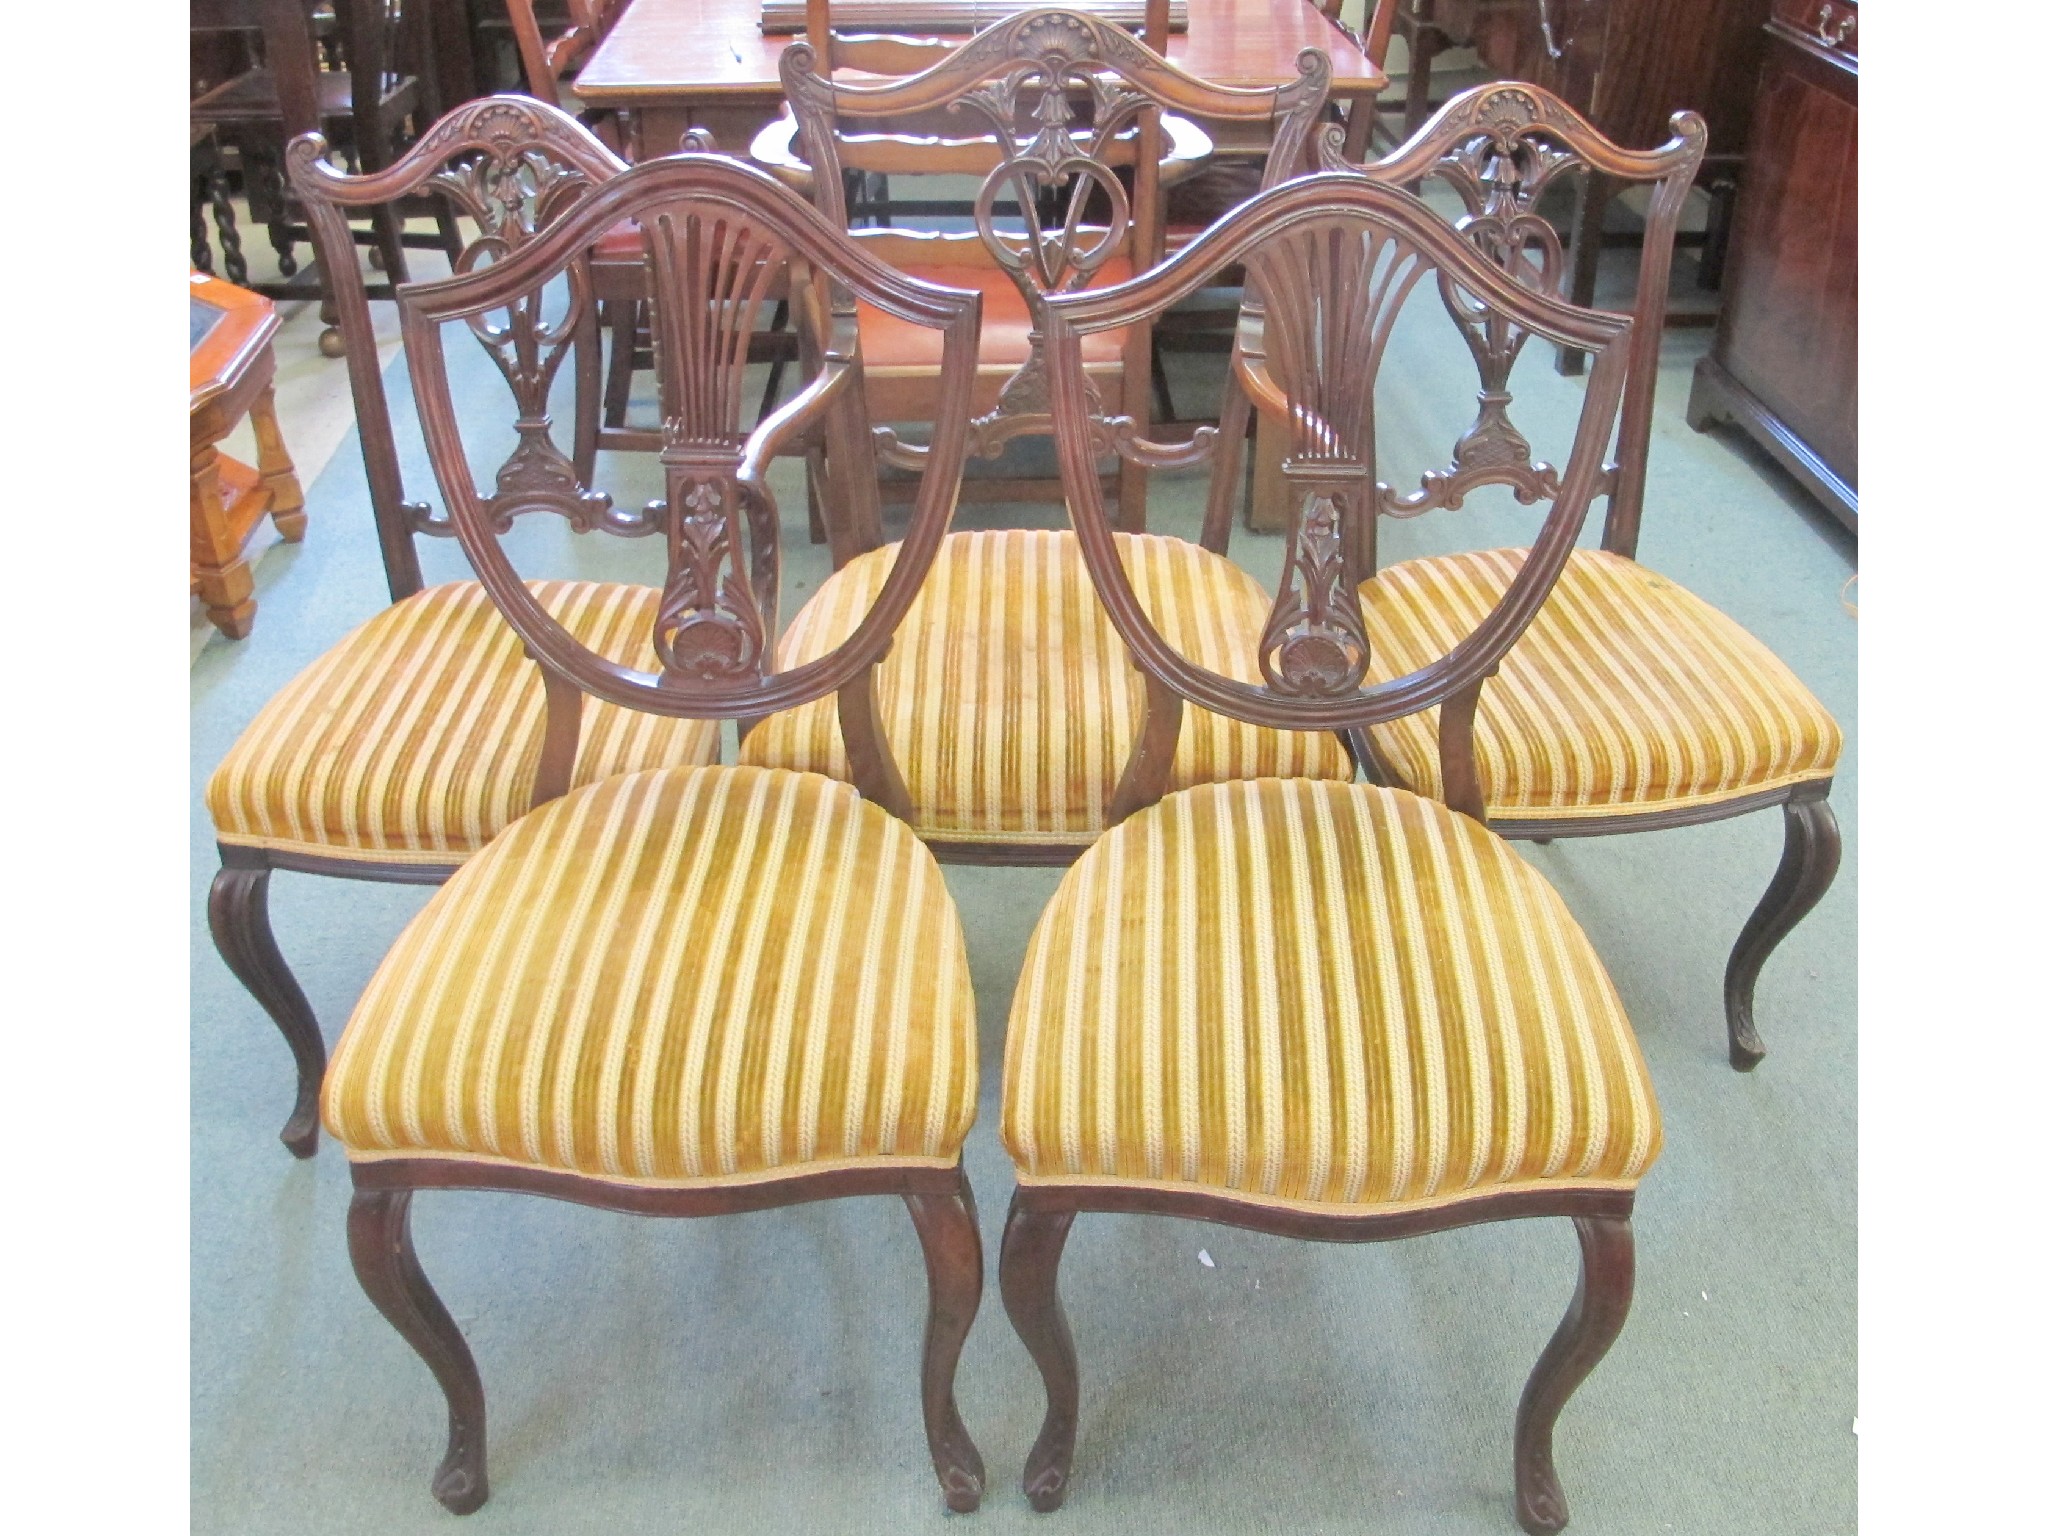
1783	364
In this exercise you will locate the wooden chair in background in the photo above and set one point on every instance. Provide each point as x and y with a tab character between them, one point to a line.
416	738
1010	702
1322	1010
747	988
1630	704
550	51
377	98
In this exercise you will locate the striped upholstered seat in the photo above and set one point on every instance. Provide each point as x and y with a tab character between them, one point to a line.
414	740
694	976
1320	995
1009	701
1626	692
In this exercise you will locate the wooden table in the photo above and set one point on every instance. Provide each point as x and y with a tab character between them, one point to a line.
682	64
232	372
675	65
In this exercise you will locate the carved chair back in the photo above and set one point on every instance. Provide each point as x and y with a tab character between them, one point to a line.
1501	148
1054	104
717	233
507	165
1338	257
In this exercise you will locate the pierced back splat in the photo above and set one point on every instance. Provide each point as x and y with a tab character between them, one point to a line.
1501	148
1337	257
716	233
509	165
711	275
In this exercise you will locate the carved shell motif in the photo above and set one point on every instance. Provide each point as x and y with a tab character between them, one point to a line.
1315	643
707	627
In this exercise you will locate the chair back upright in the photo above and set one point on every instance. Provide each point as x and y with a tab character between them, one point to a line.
548	61
1051	104
718	235
1337	257
1501	148
507	165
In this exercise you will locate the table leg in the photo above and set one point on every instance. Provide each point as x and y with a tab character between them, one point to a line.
280	478
218	569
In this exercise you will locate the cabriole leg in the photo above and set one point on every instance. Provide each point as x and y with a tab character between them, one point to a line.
1813	852
238	911
1032	1244
947	1227
1607	1275
380	1245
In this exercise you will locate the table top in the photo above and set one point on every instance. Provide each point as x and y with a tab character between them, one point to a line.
663	49
230	327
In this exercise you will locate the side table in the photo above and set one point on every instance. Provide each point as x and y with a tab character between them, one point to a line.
232	372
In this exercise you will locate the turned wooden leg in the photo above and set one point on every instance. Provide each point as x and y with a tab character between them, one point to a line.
1423	43
1030	1265
238	911
380	1246
287	500
947	1227
1607	1276
1813	852
219	572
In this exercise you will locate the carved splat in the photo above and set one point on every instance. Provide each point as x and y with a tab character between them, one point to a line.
1331	299
712	273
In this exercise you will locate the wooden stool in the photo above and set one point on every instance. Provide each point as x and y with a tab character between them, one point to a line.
232	371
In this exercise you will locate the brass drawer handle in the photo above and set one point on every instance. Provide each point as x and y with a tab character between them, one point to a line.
1841	34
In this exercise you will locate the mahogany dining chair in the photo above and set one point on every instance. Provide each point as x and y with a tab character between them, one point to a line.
1631	704
687	990
1333	1011
415	739
1009	699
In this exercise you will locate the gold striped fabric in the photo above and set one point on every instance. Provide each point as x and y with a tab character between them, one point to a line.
1308	994
1009	700
1627	693
415	739
685	976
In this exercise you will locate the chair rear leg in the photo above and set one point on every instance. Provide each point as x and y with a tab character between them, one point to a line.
1030	1265
380	1247
1813	852
951	1236
618	388
1607	1277
238	911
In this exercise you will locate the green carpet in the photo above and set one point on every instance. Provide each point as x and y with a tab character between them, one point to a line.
758	1373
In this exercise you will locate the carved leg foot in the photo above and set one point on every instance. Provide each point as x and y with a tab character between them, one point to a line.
1607	1275
1813	852
947	1228
1032	1244
380	1246
238	911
